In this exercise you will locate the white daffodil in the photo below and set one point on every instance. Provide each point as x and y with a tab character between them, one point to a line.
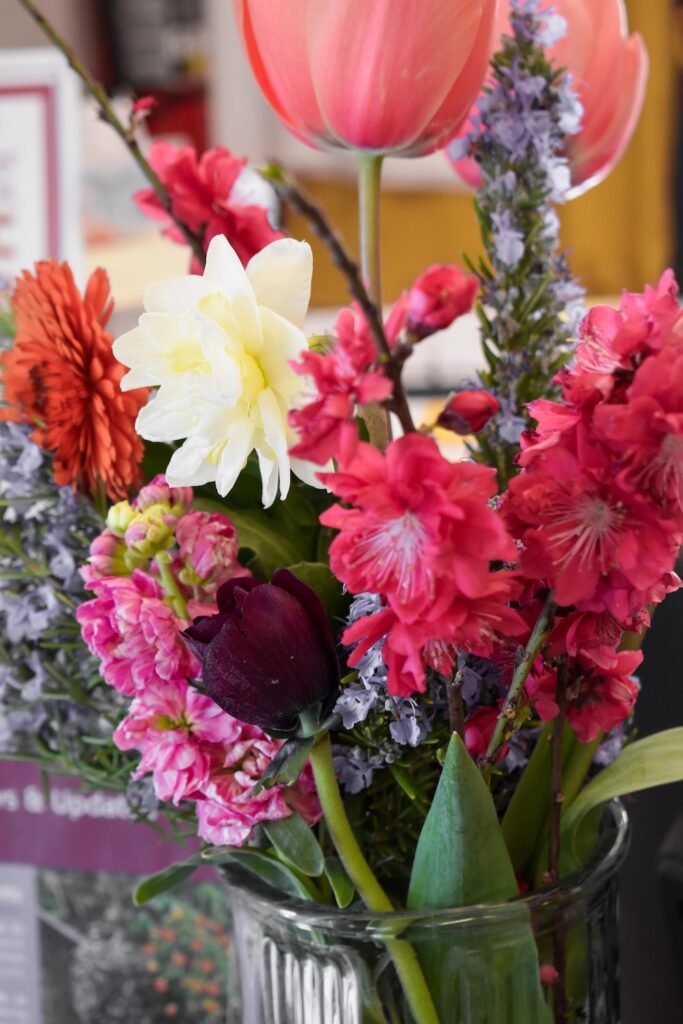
219	349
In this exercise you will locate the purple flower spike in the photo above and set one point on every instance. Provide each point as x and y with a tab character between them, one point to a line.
269	654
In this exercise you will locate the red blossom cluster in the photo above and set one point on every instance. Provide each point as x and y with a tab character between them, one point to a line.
205	198
344	378
421	532
598	505
349	375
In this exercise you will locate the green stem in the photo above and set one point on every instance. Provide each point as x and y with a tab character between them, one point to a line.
506	721
360	873
369	193
170	586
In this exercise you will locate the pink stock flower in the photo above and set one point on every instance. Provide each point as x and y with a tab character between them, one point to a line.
422	63
182	736
227	811
599	698
135	634
204	197
440	295
468	412
344	378
208	544
609	72
106	558
159	492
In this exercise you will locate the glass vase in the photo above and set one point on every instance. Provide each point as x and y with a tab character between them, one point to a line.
548	957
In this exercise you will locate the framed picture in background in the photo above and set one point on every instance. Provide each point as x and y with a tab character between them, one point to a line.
39	160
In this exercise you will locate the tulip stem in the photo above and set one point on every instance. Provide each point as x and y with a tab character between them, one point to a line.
361	874
369	194
108	114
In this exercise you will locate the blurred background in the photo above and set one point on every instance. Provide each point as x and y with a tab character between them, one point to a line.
621	234
186	54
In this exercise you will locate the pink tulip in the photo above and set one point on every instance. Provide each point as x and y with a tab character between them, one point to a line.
609	71
387	76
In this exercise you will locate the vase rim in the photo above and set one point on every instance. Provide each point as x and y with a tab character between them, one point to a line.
591	878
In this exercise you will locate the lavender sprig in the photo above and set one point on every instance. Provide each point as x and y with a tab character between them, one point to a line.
530	304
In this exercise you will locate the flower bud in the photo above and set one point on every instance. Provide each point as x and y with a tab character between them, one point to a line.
468	412
119	517
268	655
175	500
438	297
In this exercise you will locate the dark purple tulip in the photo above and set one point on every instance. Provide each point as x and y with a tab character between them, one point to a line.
269	654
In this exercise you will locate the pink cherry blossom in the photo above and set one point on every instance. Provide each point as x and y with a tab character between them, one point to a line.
204	197
599	698
344	377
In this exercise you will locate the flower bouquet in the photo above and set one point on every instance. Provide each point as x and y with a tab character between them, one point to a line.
390	692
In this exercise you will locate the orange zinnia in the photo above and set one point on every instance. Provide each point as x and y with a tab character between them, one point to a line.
62	378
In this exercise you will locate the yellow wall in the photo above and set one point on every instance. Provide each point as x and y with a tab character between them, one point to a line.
620	233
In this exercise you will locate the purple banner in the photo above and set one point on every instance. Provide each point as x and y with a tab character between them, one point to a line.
73	829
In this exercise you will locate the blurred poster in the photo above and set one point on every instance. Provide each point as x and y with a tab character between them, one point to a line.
73	947
39	160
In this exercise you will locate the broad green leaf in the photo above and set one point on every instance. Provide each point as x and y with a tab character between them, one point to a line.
287	765
462	860
276	874
654	761
319	578
296	845
274	547
461	857
167	879
342	886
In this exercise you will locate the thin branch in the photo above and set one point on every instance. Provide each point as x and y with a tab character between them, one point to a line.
456	708
506	721
392	363
109	115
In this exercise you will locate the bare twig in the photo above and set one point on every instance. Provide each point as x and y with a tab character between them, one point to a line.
109	115
392	362
456	708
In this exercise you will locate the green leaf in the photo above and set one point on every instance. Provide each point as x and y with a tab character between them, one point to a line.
654	761
461	860
319	578
527	812
342	886
276	874
156	458
287	765
274	547
461	857
167	879
296	845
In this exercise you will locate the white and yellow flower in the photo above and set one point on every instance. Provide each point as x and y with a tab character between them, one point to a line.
218	348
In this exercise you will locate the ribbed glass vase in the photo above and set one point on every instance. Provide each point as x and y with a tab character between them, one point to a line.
300	963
